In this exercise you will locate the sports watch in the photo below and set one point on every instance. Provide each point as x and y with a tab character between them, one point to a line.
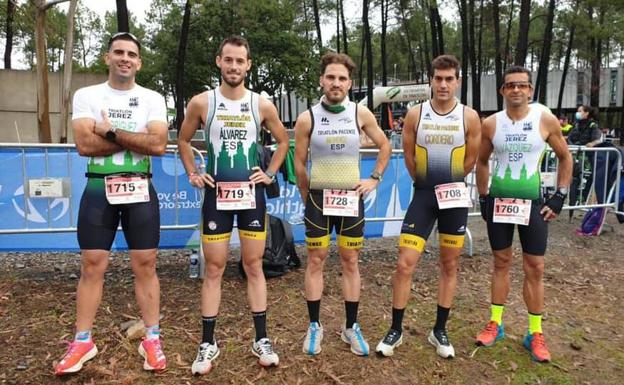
376	175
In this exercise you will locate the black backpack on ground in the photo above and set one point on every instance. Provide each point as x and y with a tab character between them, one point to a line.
280	255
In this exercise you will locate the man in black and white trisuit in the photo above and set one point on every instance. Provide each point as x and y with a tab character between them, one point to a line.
518	136
440	143
333	192
232	117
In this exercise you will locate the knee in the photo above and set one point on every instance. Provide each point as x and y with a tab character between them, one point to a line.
213	270
502	262
93	269
533	268
315	262
449	266
349	263
405	266
253	268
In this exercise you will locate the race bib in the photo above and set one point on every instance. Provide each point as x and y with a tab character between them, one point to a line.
126	189
451	195
341	203
236	195
517	211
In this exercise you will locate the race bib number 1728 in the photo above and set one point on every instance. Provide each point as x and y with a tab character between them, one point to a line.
341	203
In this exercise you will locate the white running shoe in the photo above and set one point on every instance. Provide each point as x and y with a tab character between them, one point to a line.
353	336
439	339
263	349
313	338
392	340
206	353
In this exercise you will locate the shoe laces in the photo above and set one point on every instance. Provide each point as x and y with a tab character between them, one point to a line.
491	327
206	351
156	349
538	341
265	347
391	337
441	336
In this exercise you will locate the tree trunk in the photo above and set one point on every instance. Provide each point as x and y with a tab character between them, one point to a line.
43	104
461	5
566	66
317	23
338	27
498	65
385	119
344	30
67	70
474	64
122	16
508	37
179	85
8	48
369	55
476	85
523	32
438	26
408	39
542	71
596	62
435	49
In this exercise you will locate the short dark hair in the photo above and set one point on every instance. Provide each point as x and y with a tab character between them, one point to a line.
592	112
236	40
444	62
124	36
337	58
516	69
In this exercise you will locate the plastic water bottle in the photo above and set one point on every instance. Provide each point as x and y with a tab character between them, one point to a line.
194	265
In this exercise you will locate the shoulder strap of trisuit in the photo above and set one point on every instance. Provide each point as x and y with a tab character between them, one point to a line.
255	112
212	103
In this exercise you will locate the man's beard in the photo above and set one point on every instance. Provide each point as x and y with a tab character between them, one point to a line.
335	100
232	84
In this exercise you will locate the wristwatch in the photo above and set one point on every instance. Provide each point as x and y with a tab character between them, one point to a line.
563	191
271	175
111	135
376	175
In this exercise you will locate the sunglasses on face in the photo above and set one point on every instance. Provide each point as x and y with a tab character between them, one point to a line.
520	85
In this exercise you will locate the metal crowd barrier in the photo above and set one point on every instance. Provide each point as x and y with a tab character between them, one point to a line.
606	196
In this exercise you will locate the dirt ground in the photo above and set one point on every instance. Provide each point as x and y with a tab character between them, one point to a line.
584	320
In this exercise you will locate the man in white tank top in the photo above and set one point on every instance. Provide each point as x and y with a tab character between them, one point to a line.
331	131
518	136
227	115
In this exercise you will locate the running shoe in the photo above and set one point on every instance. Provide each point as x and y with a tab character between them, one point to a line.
263	349
536	345
77	354
492	333
439	339
206	353
393	339
313	338
353	336
151	350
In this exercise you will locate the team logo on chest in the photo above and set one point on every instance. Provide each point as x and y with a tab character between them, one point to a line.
133	102
244	107
527	126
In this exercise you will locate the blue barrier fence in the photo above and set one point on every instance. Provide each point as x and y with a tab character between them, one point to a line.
37	224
